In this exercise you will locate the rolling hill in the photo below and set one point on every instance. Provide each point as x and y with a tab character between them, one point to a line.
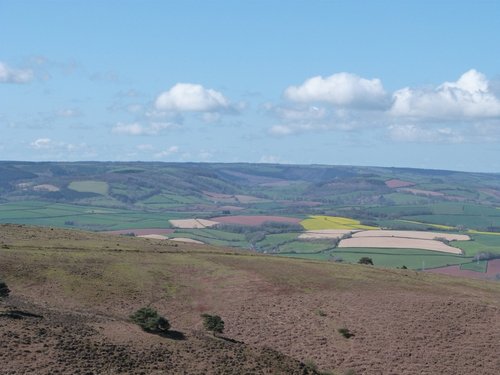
73	292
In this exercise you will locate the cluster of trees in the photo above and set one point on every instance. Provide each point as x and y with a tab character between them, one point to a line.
150	321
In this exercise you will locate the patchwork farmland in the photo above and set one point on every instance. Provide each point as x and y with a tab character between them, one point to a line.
397	217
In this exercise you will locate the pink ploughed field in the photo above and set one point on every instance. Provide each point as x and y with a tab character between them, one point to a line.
398	183
255	220
492	270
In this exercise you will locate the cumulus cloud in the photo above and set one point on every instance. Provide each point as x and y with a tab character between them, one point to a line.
48	144
465	110
342	90
136	128
469	97
11	75
189	97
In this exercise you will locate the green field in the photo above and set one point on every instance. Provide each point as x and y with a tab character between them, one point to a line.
480	243
81	217
97	187
390	258
112	196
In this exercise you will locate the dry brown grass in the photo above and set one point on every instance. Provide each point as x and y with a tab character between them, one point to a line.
92	282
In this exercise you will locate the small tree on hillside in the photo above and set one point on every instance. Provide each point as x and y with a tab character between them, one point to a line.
213	323
4	290
365	260
149	320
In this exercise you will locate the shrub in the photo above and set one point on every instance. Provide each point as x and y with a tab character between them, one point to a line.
321	313
365	260
4	290
149	320
213	323
345	332
311	365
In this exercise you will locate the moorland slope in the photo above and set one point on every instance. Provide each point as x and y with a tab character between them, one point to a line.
74	292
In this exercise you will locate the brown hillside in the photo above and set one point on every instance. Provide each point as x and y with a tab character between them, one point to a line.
279	313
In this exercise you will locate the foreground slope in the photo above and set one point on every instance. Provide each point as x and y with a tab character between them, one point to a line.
279	312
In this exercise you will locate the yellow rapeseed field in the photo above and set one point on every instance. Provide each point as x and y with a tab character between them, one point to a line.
332	222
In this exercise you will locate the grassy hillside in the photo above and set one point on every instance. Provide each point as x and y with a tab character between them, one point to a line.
130	196
293	306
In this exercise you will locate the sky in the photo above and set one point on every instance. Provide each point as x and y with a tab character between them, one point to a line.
378	83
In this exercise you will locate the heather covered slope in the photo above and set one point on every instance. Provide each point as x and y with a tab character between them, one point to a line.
279	312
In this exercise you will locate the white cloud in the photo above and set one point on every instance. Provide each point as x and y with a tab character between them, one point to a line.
47	144
281	130
468	98
414	133
42	143
136	128
342	90
169	151
11	75
188	97
288	113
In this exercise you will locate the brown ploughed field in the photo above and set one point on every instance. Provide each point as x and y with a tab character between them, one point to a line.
72	293
255	220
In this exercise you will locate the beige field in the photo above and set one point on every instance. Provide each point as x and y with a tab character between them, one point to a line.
46	187
412	234
193	223
324	234
429	193
399	243
154	236
186	240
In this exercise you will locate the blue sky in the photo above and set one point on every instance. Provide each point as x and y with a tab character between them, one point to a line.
389	83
